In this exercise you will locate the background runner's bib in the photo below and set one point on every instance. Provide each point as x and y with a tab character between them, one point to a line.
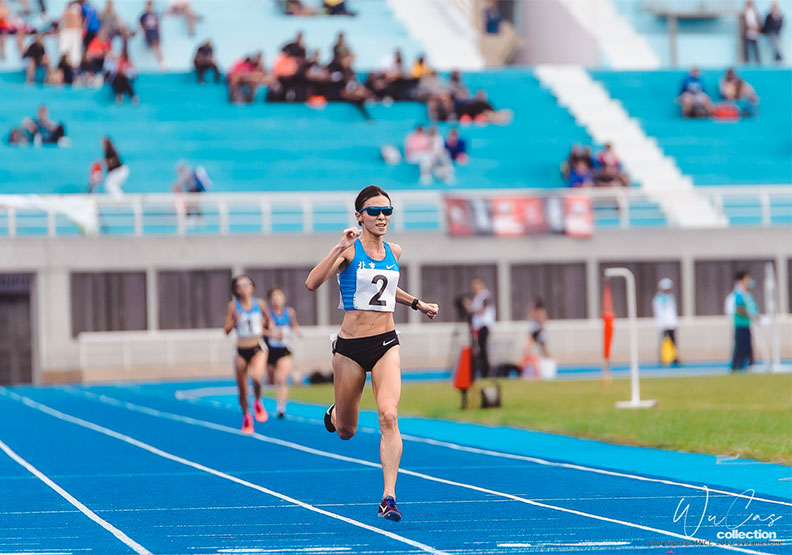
368	284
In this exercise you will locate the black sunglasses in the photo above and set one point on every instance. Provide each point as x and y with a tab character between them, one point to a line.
377	210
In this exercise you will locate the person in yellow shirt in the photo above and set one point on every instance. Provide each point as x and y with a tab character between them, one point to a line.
420	68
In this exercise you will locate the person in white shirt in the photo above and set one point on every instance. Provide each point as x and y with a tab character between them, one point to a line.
750	29
482	312
665	314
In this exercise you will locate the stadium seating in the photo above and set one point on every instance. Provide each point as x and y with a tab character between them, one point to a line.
747	152
273	147
241	26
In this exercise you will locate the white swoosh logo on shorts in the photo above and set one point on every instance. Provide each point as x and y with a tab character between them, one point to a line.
386	343
391	266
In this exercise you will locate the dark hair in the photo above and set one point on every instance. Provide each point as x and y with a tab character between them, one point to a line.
234	283
272	291
369	192
741	275
538	302
109	148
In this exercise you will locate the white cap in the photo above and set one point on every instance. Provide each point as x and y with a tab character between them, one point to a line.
665	283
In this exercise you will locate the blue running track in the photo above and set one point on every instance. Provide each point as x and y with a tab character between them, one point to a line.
108	470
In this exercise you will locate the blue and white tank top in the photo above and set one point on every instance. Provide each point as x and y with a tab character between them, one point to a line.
249	323
368	284
283	325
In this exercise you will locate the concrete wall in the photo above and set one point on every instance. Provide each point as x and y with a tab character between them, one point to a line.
154	354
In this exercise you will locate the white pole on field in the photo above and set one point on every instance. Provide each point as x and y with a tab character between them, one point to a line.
632	316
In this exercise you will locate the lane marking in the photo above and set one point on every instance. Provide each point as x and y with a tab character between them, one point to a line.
164	454
298	447
429	441
126	540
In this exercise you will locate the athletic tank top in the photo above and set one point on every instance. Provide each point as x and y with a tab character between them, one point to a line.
368	284
250	323
283	325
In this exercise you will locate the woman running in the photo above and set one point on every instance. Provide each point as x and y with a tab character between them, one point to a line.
248	315
367	342
279	360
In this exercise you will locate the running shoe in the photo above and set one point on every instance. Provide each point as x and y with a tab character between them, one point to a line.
388	510
247	424
261	414
281	414
328	420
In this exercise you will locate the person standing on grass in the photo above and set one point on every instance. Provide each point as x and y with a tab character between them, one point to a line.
745	310
665	313
368	276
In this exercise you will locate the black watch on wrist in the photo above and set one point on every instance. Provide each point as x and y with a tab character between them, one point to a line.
414	304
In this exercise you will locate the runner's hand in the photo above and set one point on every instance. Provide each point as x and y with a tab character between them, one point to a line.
348	237
430	309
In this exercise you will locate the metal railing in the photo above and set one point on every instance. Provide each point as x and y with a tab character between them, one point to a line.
306	213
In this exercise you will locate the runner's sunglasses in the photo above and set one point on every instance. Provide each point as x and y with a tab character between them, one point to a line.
376	210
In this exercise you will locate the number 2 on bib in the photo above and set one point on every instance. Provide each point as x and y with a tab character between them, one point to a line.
375	300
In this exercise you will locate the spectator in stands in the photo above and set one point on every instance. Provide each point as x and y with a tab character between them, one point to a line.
191	180
745	310
455	85
149	22
63	74
433	91
773	24
182	7
91	22
97	51
695	101
492	18
36	58
297	7
241	87
610	168
735	89
112	23
456	147
580	175
417	150
442	166
480	110
577	153
121	75
70	34
341	49
51	132
750	29
117	171
24	135
420	68
204	61
10	25
336	7
296	48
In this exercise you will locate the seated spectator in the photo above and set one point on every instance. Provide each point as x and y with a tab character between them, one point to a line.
442	167
580	175
740	92
11	25
297	7
480	110
36	58
296	48
24	135
336	7
341	49
63	73
245	77
420	68
96	52
51	132
694	99
182	7
117	171
427	151
121	75
204	61
492	18
149	22
112	23
433	91
610	168
191	180
456	147
455	85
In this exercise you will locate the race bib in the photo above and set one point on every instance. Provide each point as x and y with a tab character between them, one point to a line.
376	289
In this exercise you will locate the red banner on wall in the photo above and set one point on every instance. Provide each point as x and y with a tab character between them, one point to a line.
519	216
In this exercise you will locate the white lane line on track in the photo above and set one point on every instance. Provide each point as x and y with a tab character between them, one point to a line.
298	447
126	540
457	447
164	454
